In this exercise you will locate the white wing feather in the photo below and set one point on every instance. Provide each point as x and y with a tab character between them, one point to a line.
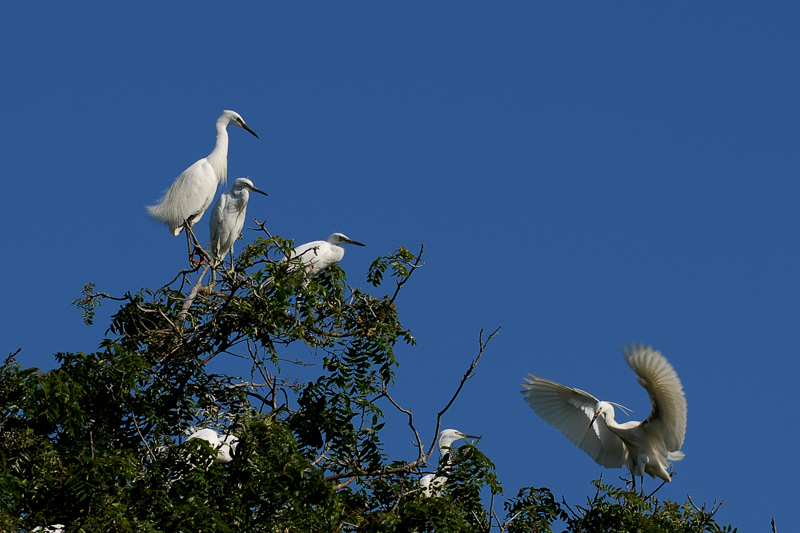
216	226
570	411
658	377
188	197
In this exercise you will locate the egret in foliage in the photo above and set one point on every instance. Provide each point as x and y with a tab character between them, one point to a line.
227	218
226	446
446	439
193	191
645	447
316	256
431	483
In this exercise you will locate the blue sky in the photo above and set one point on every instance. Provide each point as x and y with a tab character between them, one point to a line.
585	174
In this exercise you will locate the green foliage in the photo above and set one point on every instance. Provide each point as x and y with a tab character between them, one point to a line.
99	443
533	510
614	509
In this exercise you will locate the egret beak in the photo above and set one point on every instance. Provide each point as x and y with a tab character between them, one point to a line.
259	191
596	414
351	241
245	126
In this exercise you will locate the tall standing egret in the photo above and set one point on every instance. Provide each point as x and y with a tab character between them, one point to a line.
227	218
226	446
431	483
192	192
645	447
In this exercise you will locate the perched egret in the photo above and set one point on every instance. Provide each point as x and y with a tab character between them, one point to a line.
431	483
645	447
316	256
192	192
227	218
226	447
52	528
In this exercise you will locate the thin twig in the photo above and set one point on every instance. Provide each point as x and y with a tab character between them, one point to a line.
11	356
343	485
135	423
417	264
322	455
410	415
408	467
468	374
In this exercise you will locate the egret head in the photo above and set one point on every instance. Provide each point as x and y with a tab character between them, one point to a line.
449	436
604	409
246	184
232	117
341	238
227	449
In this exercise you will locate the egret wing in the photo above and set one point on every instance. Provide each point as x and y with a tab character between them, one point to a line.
195	188
309	252
208	435
215	224
659	379
571	411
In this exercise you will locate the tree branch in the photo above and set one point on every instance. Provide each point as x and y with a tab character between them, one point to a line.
187	303
467	375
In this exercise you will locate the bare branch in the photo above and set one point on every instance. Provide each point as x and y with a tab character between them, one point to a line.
343	485
322	455
12	355
192	295
408	467
385	393
135	423
468	374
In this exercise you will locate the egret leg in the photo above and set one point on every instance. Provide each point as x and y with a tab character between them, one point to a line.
187	229
197	247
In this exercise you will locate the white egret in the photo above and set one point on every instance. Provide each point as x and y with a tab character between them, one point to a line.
645	447
226	447
192	192
227	218
431	483
52	528
316	256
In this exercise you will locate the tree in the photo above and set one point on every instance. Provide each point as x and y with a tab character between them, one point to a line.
99	443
